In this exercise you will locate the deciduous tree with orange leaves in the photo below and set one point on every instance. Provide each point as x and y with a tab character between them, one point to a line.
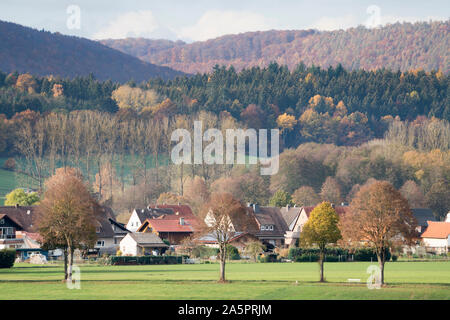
66	215
379	216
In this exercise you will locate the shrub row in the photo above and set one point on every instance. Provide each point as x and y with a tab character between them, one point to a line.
335	254
7	257
127	260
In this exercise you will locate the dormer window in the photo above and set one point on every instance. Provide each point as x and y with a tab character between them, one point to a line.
98	229
267	227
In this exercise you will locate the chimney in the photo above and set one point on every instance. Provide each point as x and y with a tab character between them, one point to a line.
249	204
181	221
17	205
333	205
256	208
287	206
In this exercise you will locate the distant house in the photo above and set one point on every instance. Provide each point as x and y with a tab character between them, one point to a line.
18	230
436	237
271	227
138	216
422	215
109	232
171	230
291	216
139	244
297	218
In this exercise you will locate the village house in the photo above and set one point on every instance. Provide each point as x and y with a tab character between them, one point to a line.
436	237
296	218
422	215
18	230
271	227
109	232
140	244
138	216
174	231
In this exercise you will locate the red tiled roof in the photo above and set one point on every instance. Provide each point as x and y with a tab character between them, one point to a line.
166	225
437	230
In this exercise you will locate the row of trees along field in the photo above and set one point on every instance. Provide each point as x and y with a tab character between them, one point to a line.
126	161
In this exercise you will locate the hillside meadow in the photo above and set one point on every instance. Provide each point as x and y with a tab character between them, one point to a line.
405	280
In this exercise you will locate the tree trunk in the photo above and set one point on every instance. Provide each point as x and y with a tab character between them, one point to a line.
223	257
381	261
322	258
70	264
222	269
65	264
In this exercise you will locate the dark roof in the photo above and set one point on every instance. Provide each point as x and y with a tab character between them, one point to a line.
147	239
175	211
151	213
120	226
4	216
25	216
423	215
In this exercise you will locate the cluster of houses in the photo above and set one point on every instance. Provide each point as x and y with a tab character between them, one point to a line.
152	230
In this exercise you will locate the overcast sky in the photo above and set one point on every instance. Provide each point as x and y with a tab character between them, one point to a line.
197	20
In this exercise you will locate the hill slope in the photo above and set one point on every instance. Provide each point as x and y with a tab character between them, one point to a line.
44	53
399	47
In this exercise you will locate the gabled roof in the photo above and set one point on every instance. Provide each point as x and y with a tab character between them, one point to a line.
25	216
423	215
4	216
147	239
437	230
290	215
169	225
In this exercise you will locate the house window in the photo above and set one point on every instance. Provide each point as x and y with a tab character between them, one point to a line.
2	221
100	243
7	233
267	227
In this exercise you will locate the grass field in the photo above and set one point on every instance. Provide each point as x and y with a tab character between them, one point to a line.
405	280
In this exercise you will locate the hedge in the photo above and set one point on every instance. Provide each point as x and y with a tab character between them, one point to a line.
127	260
335	254
7	257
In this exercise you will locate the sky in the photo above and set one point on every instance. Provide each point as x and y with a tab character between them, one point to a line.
200	20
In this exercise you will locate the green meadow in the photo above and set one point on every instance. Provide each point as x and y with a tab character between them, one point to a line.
405	280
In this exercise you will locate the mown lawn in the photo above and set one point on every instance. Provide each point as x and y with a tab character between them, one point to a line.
406	280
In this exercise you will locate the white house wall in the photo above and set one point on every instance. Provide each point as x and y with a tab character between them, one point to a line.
128	246
134	223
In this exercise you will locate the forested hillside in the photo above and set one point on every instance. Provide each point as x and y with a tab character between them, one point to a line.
309	104
402	47
44	53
